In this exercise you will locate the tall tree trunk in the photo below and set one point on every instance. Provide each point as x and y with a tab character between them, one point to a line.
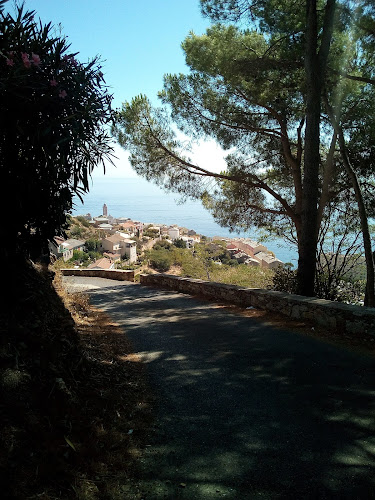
369	255
309	230
315	65
370	273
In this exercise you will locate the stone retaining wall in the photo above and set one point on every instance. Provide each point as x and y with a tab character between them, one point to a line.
111	274
331	315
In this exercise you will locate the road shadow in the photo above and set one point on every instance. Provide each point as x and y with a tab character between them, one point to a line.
246	410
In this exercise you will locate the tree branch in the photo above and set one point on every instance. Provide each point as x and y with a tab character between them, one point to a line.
362	79
256	182
266	210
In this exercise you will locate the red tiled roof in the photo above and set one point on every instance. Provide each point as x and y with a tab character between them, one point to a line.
101	263
115	238
127	225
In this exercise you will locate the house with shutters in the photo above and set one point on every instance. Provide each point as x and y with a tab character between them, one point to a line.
118	244
65	248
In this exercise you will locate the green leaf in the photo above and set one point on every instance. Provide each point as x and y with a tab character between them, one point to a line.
70	443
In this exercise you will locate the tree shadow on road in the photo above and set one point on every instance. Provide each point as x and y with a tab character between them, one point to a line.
246	410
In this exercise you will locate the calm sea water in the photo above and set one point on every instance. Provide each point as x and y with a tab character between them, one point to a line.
141	200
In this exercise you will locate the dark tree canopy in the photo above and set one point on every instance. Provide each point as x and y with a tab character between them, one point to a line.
53	114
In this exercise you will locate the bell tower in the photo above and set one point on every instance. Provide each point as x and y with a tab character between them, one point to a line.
105	210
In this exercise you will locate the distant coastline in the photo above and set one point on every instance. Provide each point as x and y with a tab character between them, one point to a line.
140	200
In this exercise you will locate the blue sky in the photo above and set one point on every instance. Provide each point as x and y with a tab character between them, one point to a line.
138	41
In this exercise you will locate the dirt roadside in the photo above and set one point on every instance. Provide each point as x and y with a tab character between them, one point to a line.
117	396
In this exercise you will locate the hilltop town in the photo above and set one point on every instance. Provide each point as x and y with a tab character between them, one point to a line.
119	240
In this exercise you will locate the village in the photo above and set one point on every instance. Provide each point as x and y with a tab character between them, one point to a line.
119	242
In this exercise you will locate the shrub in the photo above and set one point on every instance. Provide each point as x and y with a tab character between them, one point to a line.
92	244
193	267
179	243
284	280
80	256
328	286
124	265
162	244
83	221
94	255
76	231
340	277
161	260
340	290
151	233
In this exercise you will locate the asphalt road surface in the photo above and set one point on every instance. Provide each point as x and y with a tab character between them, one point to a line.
244	410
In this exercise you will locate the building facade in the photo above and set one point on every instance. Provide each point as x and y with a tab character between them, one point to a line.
117	244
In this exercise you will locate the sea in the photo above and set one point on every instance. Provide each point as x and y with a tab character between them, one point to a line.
143	201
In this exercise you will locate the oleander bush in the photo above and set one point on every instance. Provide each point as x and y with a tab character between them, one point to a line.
54	110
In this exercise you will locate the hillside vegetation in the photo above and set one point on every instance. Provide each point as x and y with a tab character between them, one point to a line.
70	395
208	261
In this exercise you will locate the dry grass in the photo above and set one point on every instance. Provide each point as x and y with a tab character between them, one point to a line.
119	400
243	275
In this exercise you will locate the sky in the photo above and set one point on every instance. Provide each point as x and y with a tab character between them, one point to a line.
138	42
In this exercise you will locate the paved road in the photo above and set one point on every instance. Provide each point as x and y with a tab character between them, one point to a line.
245	410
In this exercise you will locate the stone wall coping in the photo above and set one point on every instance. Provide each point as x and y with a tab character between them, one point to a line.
273	293
112	274
326	313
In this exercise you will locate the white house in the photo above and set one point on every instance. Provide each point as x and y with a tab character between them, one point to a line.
112	243
126	236
101	220
248	246
105	227
268	260
189	241
130	247
65	248
174	232
232	248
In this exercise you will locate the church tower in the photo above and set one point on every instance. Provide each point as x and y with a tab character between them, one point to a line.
105	210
